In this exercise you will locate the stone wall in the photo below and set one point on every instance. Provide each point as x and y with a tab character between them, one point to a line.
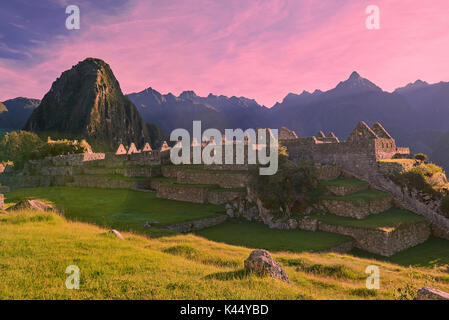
329	172
383	242
183	193
357	209
189	226
196	194
222	196
104	182
346	190
136	172
33	181
224	180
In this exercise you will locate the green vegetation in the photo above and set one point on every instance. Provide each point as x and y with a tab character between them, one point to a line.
21	146
342	182
432	253
420	157
289	189
361	196
390	219
258	235
119	209
339	271
38	247
425	177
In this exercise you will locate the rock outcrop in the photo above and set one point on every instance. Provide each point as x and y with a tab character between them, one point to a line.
261	263
31	205
431	294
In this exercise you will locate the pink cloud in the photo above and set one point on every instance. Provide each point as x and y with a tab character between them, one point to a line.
257	49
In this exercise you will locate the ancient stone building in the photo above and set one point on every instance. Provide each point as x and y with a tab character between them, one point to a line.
364	147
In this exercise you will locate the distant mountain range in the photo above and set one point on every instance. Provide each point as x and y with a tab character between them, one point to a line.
221	112
416	115
15	112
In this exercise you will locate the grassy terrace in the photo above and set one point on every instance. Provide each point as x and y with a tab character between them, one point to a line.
119	209
344	183
258	235
114	176
365	195
389	219
211	187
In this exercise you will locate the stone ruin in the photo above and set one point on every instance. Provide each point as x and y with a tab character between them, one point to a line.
361	150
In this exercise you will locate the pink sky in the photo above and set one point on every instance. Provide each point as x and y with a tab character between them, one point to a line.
257	49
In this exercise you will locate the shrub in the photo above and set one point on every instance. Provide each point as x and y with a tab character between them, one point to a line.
289	187
21	146
421	157
428	178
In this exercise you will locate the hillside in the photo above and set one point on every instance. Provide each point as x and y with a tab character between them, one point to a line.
14	113
174	267
87	102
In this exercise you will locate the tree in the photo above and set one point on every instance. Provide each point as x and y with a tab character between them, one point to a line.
288	187
19	146
420	157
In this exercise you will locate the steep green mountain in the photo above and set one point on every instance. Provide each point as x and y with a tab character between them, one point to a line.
14	113
87	102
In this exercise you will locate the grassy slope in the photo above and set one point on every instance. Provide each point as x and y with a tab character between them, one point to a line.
37	248
119	209
258	235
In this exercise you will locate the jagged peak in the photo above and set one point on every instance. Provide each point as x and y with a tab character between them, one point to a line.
188	94
354	76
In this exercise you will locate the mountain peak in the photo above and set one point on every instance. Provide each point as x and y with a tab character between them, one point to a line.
188	95
87	102
354	76
354	85
418	84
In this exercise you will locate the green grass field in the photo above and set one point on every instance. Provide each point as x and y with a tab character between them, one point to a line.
258	235
343	182
119	209
391	218
38	247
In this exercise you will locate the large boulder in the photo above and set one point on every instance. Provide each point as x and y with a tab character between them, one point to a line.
261	263
431	294
31	205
